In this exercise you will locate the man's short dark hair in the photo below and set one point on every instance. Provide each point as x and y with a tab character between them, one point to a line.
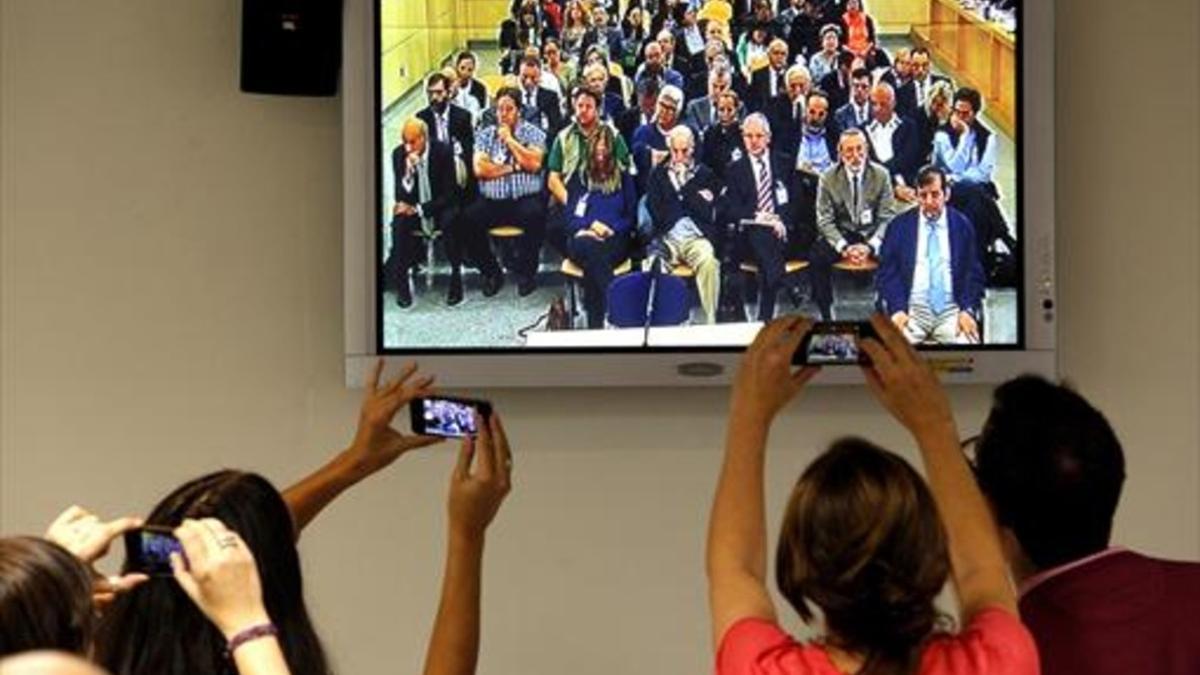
1052	468
437	78
930	173
845	59
860	73
531	61
918	50
581	90
972	98
464	56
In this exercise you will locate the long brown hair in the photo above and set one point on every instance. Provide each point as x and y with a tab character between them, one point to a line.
603	175
862	540
45	598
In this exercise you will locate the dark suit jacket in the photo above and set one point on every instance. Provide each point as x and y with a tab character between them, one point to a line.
906	96
837	89
898	261
549	106
720	147
741	190
760	89
844	117
479	92
443	183
461	131
628	122
906	152
667	206
1145	605
786	126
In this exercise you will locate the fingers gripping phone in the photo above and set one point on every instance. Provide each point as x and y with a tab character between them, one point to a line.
149	550
834	343
447	416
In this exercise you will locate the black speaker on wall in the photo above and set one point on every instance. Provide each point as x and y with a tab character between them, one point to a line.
291	47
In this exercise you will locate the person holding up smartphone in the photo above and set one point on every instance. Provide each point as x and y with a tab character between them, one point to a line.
221	577
864	538
481	479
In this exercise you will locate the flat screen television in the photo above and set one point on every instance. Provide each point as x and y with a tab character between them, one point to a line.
460	253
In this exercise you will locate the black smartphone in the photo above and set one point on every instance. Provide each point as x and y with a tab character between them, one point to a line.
149	550
834	343
447	416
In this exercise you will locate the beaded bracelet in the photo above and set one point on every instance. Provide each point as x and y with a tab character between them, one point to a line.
262	630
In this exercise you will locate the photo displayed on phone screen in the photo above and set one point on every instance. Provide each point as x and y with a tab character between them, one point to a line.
149	550
448	417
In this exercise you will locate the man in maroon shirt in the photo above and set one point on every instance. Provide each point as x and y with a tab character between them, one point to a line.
1053	469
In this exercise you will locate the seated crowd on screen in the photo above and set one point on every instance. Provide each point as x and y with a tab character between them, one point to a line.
732	140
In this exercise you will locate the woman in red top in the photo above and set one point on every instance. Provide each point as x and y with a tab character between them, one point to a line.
860	29
861	538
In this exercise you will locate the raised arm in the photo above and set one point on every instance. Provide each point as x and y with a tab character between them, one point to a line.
475	496
737	529
375	446
909	389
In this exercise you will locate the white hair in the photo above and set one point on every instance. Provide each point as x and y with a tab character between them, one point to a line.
682	131
761	119
798	69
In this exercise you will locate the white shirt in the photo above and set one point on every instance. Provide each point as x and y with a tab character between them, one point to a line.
881	138
920	287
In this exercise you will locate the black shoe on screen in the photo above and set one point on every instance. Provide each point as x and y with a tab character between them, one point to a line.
404	294
525	286
455	295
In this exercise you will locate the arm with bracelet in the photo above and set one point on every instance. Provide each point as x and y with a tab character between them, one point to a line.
221	577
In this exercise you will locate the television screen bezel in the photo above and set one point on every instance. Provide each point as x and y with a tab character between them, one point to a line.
1035	350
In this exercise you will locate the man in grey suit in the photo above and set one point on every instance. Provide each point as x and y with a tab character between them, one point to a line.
699	113
854	206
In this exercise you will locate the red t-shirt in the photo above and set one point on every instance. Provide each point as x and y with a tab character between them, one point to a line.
994	643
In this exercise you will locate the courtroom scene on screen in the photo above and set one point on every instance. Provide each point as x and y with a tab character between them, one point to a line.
672	173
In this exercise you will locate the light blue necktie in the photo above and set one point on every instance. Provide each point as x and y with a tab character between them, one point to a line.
937	284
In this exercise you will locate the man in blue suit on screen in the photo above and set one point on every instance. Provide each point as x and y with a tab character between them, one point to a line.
930	279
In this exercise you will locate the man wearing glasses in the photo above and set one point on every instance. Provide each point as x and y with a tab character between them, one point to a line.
448	124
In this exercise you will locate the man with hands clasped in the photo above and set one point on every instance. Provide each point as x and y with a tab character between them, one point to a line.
864	537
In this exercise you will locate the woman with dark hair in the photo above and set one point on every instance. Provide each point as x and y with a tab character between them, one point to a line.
156	629
601	208
864	540
45	598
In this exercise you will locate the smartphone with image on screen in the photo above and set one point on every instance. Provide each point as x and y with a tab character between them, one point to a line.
834	343
149	550
447	416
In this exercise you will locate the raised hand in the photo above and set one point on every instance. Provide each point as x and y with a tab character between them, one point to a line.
220	575
481	480
904	382
765	381
376	444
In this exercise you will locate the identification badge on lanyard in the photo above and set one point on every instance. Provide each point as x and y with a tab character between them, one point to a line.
581	207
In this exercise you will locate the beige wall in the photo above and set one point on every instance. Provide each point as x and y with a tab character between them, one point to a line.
170	303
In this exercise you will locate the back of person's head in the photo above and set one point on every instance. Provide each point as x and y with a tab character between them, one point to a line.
45	598
157	629
47	663
862	541
1052	468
